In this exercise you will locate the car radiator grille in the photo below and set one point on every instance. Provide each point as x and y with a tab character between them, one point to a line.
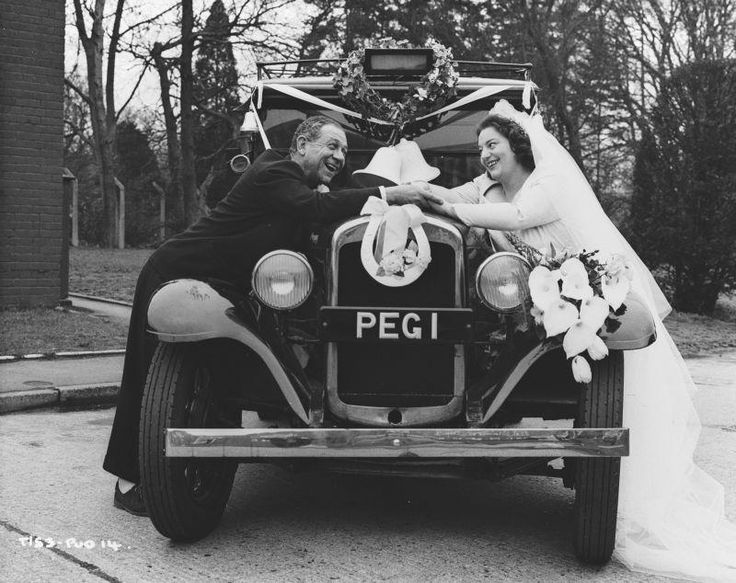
393	374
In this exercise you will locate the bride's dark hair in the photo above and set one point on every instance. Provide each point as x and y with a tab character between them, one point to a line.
518	140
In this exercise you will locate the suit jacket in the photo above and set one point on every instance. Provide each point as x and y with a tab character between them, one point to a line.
270	207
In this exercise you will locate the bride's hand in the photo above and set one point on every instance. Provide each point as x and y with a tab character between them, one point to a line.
440	204
447	209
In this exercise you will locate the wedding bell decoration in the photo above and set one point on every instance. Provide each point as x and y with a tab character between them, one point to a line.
395	250
576	298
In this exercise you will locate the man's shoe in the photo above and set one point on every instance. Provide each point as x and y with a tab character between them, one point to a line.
132	501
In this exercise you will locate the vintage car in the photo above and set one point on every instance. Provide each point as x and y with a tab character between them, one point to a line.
444	375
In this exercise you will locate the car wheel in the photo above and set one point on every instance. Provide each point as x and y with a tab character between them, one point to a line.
186	497
597	479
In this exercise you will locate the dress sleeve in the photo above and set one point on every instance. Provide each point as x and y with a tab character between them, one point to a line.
531	208
467	193
284	191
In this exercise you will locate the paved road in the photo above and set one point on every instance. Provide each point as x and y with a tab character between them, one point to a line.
28	374
281	526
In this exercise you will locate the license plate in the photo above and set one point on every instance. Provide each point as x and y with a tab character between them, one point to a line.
448	325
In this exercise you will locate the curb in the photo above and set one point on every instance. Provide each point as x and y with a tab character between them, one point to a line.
62	354
99	299
67	396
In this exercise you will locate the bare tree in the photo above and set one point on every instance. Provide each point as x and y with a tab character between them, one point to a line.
192	207
656	37
163	68
252	26
100	96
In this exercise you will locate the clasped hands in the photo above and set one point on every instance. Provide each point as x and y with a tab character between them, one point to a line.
425	195
420	193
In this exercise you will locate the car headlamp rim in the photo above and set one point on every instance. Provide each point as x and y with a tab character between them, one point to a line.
479	271
301	258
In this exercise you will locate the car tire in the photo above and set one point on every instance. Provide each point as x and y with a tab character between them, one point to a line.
597	479
185	497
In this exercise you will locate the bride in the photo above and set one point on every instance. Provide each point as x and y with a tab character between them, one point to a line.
671	514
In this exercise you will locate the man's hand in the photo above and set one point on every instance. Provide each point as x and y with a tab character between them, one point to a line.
418	193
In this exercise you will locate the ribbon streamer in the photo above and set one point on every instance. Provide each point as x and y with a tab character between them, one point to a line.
261	131
526	96
299	94
470	98
474	96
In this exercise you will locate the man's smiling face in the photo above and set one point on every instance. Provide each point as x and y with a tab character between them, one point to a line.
323	158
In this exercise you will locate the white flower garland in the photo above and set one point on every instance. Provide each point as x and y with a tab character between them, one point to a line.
434	89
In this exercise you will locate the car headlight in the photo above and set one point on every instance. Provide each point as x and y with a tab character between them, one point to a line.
282	279
502	281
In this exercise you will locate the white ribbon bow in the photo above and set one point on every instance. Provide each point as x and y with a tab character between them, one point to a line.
389	227
396	223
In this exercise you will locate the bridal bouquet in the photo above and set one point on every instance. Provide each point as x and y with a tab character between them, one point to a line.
576	297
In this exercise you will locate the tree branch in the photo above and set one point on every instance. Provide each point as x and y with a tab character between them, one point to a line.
204	109
78	91
146	65
148	20
111	54
79	21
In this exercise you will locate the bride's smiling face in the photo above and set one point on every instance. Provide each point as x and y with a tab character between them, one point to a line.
496	154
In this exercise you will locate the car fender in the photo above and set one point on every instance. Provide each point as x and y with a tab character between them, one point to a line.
188	310
635	330
636	327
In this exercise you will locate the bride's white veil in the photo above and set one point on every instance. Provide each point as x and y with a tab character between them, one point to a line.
671	518
575	201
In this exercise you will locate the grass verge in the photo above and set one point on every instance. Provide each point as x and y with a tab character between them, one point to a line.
106	273
54	330
694	334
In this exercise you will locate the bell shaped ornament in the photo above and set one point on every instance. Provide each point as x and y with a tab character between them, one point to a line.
386	164
413	165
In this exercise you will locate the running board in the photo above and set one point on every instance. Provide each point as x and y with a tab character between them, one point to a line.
396	443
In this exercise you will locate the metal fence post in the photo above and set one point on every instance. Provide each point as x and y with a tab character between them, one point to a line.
120	214
70	181
162	212
69	191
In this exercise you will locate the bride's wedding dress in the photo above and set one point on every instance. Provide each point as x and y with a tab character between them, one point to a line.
671	517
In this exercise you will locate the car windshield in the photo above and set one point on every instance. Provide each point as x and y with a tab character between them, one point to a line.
447	141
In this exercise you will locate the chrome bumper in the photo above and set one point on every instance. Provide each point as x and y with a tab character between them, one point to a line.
396	443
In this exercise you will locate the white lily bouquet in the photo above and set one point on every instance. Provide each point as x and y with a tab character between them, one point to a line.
576	298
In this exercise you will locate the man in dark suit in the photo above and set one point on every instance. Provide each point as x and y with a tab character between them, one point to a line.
269	208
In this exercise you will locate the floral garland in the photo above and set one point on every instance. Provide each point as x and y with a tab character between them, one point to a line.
434	89
576	298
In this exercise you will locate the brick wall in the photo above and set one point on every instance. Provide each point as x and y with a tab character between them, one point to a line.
31	151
